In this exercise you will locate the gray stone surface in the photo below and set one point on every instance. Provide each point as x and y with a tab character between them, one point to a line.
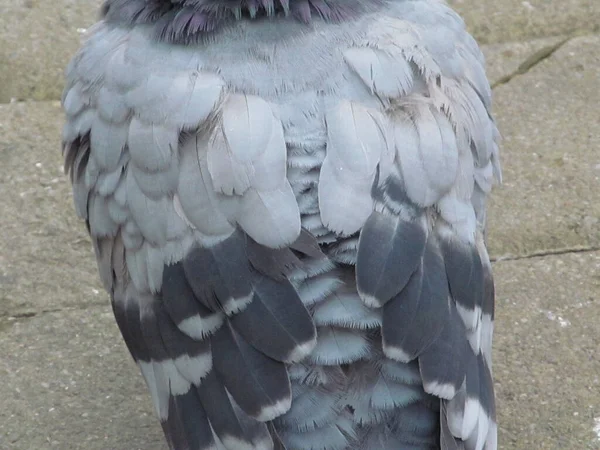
67	380
46	263
68	383
505	60
551	154
495	21
37	38
546	362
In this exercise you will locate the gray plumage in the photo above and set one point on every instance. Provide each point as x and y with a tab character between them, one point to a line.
286	200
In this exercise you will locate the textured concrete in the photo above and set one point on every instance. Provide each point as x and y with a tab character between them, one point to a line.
546	361
67	380
493	21
551	154
37	38
46	264
69	383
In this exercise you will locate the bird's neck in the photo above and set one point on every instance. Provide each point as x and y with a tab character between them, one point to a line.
185	20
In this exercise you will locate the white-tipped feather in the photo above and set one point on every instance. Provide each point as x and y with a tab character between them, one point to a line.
273	411
198	327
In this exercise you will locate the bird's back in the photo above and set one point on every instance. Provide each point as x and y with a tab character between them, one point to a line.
290	220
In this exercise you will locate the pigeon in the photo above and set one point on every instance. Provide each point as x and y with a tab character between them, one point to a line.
287	204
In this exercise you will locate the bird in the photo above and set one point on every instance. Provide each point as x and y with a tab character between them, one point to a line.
287	204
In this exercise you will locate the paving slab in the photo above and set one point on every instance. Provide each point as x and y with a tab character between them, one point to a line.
68	383
495	21
503	61
546	360
48	244
550	153
37	38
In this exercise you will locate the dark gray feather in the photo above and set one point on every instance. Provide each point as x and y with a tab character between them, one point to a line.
415	318
187	426
276	322
486	388
178	297
465	273
220	275
307	245
230	423
127	314
444	362
488	305
275	263
389	251
447	439
259	384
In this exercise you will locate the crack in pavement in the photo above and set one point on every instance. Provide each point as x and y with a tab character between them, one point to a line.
533	60
542	253
26	315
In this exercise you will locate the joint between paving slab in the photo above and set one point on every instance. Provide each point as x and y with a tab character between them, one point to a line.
543	253
533	60
539	56
26	315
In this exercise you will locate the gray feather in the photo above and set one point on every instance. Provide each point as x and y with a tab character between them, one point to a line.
264	391
276	322
389	251
187	426
415	318
234	428
220	275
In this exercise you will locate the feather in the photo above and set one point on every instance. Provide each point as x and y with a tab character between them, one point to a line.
443	364
220	275
264	392
157	184
187	426
186	311
357	138
313	407
415	318
183	100
383	74
276	322
271	218
111	106
151	146
389	252
346	310
74	100
339	346
248	138
465	277
336	436
107	141
234	428
195	193
150	215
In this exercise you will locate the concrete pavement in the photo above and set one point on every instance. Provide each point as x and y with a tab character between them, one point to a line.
67	380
